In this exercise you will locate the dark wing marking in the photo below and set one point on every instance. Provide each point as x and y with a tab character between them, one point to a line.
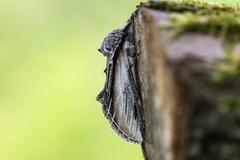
120	97
130	56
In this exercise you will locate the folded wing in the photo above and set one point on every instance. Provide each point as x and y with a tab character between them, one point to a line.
120	97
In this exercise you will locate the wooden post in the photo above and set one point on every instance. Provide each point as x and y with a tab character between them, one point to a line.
184	118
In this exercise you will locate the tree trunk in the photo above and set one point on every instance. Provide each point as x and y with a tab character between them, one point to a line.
183	107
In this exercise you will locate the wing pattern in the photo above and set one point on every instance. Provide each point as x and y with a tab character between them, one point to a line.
120	96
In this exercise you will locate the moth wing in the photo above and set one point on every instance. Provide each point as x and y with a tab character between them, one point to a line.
120	98
127	118
104	96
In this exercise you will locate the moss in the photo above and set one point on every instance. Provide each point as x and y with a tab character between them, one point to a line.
224	24
227	70
201	16
170	6
191	5
216	19
227	73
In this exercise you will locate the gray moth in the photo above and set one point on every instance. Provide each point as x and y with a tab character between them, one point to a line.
121	96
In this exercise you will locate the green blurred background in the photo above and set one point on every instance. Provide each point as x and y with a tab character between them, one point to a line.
51	73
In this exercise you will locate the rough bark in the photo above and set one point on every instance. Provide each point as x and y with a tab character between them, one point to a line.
181	104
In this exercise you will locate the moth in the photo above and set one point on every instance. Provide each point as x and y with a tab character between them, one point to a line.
121	97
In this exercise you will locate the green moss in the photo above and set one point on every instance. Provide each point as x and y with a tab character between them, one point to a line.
227	73
170	6
227	70
191	5
223	24
216	19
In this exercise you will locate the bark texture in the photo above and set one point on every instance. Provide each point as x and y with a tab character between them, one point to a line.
181	103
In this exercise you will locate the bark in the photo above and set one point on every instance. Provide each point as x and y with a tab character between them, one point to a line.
181	103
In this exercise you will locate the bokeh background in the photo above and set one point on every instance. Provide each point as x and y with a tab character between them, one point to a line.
50	75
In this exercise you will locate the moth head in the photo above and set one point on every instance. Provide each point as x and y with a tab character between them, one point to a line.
111	42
